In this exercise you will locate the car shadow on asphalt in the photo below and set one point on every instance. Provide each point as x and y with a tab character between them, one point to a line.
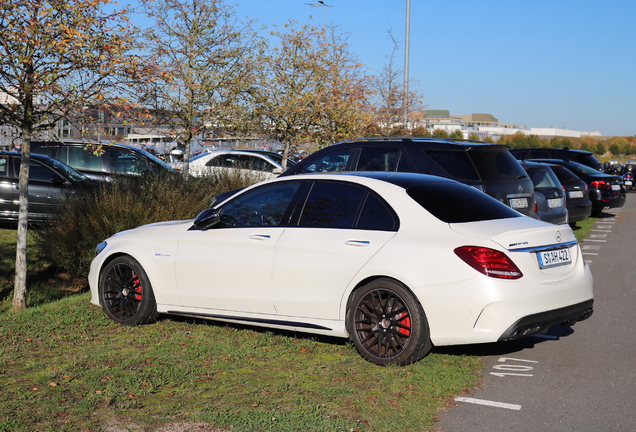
505	348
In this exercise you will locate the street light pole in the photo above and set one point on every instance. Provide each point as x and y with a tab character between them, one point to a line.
324	6
407	48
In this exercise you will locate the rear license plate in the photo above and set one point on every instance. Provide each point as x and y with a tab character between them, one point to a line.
554	202
628	182
516	203
554	258
616	187
575	194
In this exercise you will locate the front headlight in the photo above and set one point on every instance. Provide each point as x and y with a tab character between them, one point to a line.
100	247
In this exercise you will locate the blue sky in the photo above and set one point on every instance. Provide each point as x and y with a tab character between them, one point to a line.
539	63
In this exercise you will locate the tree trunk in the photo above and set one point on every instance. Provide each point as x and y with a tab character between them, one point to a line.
19	287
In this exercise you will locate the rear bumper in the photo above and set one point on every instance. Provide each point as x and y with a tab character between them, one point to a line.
541	322
579	212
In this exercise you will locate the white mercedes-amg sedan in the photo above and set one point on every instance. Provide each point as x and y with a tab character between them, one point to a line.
397	262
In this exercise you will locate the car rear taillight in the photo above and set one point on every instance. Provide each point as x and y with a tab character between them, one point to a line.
488	261
601	184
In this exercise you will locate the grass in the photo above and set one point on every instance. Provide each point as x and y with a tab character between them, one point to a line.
65	367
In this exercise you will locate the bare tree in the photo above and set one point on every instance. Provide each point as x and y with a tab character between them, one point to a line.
387	102
206	57
57	57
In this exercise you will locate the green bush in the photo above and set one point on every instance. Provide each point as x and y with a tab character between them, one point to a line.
87	219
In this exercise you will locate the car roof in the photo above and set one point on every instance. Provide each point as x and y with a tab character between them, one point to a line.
558	150
432	143
401	179
36	156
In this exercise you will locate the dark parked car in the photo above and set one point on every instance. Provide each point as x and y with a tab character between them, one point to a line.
49	183
577	197
606	190
489	168
549	194
113	160
567	154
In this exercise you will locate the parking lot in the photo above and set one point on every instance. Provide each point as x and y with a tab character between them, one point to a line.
574	379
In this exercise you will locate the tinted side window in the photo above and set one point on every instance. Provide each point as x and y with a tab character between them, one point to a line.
380	159
265	206
37	171
4	166
124	162
332	205
50	152
452	164
331	162
82	159
455	203
541	154
253	163
377	215
345	205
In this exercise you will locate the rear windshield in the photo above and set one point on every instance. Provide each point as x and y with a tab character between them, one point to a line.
564	174
542	177
497	165
456	203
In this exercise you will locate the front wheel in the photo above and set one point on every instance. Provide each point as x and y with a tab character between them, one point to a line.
387	324
125	292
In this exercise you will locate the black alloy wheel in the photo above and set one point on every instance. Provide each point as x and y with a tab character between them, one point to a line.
125	292
387	324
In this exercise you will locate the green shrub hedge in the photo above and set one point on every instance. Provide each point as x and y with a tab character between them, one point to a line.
107	208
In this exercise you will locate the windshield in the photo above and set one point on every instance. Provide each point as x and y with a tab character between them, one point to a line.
70	172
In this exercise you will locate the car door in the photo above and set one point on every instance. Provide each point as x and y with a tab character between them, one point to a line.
47	189
8	189
229	267
342	225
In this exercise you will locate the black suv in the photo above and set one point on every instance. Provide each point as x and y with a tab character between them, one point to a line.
114	160
50	181
566	154
487	167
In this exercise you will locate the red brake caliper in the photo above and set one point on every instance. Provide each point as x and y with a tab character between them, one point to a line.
137	286
407	323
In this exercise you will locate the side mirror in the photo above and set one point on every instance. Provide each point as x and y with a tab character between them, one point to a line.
207	219
277	171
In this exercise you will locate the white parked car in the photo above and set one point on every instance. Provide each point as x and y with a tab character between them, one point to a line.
397	262
261	164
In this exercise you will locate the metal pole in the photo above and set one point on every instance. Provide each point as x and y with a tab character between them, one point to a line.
407	47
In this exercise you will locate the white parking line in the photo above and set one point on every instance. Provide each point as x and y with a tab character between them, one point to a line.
489	403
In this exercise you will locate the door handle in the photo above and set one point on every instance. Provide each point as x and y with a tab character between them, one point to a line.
358	243
260	237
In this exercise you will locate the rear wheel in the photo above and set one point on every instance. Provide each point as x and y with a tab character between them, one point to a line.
125	292
387	324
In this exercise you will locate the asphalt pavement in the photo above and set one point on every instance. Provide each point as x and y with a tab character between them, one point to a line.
581	378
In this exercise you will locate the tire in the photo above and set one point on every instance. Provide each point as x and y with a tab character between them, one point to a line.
125	292
387	324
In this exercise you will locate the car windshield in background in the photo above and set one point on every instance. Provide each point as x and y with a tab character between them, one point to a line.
73	174
578	168
457	203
